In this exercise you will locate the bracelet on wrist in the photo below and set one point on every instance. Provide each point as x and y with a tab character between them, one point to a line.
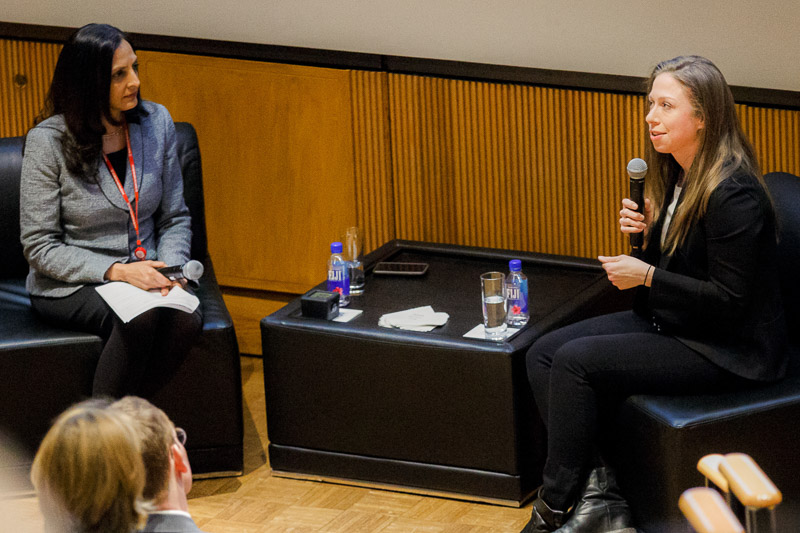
647	274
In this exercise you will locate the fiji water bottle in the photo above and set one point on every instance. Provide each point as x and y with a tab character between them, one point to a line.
516	295
339	274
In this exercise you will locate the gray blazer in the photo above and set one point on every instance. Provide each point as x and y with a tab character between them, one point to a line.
72	230
170	523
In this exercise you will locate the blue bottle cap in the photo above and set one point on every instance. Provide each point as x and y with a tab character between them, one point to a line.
336	247
515	265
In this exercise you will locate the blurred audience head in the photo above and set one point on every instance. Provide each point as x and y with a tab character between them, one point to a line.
163	454
88	472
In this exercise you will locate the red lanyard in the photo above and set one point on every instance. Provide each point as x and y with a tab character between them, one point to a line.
140	251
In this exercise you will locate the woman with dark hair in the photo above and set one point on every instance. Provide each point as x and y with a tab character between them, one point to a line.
707	316
101	199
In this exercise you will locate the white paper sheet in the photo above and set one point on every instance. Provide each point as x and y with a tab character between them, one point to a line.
129	301
346	315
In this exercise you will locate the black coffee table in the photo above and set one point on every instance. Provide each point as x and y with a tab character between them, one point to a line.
433	411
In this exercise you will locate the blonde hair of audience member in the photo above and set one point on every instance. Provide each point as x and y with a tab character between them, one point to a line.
88	472
155	436
723	147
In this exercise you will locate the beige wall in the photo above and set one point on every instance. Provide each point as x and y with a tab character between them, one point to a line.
756	44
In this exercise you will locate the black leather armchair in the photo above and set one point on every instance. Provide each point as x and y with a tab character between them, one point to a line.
659	439
44	369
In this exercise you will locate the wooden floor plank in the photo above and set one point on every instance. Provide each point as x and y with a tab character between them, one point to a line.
326	496
351	521
501	519
438	510
386	503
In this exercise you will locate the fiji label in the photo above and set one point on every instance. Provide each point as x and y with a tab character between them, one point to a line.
339	281
517	297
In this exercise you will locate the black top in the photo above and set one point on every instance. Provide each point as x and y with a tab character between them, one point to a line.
119	160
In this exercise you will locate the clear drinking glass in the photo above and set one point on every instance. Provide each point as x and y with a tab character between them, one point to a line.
494	304
353	254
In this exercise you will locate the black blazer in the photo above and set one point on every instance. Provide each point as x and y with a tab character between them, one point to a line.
719	292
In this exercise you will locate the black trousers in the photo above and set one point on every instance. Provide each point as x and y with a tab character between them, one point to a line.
581	372
138	357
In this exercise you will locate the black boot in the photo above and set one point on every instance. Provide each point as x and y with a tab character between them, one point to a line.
601	508
543	519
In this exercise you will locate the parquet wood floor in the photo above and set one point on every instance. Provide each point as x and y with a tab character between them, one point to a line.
260	502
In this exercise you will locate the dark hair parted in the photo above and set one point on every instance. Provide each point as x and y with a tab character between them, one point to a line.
723	148
80	92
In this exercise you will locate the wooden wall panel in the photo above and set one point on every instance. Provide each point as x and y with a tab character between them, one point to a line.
278	167
531	168
372	153
247	308
26	69
510	166
775	134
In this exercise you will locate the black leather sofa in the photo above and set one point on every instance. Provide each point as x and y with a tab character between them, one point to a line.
658	440
44	369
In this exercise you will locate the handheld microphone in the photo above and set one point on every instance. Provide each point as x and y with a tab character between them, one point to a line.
192	270
637	168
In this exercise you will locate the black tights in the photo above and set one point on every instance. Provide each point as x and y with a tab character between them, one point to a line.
579	370
138	357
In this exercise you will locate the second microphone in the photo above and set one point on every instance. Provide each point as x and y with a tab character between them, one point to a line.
192	270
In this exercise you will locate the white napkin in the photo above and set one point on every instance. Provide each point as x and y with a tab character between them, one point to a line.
417	319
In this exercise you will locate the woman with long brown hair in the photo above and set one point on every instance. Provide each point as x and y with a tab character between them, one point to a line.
707	316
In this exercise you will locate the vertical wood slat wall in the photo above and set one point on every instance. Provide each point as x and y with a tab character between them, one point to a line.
520	167
26	69
372	158
775	134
